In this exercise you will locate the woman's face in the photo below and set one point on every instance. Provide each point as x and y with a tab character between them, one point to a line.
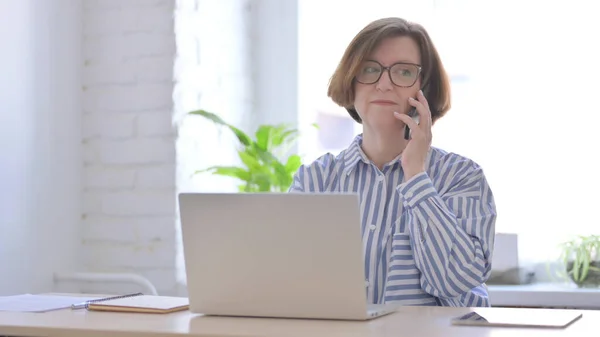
377	102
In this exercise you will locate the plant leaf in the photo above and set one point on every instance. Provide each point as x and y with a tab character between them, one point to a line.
241	136
263	181
585	265
282	176
282	136
249	160
263	172
229	171
575	270
263	137
264	155
293	164
210	116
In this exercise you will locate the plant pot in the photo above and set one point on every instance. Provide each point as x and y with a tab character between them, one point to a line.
593	277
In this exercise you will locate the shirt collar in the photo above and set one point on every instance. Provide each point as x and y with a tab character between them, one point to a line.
355	154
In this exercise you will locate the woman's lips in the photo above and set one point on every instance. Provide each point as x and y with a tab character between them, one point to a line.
383	102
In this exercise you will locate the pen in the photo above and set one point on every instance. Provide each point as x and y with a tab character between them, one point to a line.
81	305
84	305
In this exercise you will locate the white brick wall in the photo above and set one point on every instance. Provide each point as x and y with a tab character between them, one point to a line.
145	60
133	163
128	139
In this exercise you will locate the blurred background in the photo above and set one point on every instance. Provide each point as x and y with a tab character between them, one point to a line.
96	140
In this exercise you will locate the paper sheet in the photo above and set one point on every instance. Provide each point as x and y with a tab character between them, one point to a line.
39	303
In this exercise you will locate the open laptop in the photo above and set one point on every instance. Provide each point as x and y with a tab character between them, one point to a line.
292	255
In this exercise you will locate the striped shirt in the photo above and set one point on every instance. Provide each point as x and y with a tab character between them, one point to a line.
426	241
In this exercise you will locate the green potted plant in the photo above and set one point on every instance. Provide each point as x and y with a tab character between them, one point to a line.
263	169
581	260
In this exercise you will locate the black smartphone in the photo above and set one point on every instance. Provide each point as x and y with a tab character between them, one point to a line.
415	117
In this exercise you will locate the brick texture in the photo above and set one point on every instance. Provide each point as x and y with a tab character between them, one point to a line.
146	64
129	140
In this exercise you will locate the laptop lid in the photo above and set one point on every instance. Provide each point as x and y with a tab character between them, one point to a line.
274	254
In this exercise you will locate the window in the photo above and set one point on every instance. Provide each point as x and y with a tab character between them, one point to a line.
212	72
524	80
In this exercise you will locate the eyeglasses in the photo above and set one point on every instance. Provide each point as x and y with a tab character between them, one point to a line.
401	74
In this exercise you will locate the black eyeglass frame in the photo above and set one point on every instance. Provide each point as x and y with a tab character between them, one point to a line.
383	69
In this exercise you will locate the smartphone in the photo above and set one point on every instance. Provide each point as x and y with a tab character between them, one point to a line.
415	117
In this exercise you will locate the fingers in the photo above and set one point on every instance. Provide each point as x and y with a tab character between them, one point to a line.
421	97
422	107
414	127
417	132
425	103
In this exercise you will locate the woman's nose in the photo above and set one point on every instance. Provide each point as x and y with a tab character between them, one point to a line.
384	83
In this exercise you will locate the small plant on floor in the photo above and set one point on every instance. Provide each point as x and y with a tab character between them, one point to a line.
262	171
581	259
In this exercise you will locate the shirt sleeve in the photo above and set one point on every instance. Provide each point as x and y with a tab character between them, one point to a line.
452	229
313	177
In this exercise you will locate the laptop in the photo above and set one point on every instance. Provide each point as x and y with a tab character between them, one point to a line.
285	255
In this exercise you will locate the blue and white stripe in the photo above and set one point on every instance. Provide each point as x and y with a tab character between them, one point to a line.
426	241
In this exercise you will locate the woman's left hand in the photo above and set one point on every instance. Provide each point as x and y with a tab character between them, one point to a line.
415	153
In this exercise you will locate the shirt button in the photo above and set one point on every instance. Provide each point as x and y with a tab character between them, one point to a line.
367	283
372	227
380	178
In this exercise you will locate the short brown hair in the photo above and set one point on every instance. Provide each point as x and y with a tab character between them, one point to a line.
434	80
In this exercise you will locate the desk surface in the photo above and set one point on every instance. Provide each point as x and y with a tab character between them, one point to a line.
545	295
408	321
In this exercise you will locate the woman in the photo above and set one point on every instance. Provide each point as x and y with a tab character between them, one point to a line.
428	215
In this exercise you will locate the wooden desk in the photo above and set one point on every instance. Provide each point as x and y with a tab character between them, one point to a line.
409	321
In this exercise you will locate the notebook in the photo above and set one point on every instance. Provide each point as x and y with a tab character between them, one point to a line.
519	317
140	303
